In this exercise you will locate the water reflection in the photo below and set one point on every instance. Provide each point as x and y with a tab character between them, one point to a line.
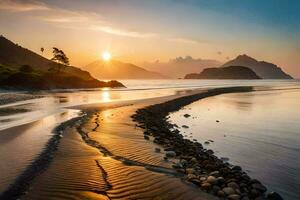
264	124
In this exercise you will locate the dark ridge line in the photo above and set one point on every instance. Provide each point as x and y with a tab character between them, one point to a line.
38	166
125	161
104	174
105	177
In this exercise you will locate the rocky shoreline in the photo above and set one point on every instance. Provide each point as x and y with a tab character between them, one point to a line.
199	165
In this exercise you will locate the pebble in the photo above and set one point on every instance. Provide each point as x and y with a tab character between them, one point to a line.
185	126
205	186
221	193
170	153
157	150
233	185
191	176
274	196
186	115
190	171
146	137
211	179
228	190
259	187
234	197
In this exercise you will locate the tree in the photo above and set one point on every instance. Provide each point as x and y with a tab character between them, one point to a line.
60	57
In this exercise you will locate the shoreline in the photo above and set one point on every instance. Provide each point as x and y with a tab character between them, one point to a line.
199	165
165	104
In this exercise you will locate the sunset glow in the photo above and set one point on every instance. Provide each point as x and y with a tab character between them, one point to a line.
106	56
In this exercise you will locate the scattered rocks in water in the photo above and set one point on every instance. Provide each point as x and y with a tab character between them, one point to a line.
186	115
157	150
199	165
184	126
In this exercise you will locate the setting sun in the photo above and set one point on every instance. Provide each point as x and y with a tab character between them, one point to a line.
106	56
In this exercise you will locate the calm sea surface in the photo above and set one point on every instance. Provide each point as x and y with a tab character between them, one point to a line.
260	126
259	131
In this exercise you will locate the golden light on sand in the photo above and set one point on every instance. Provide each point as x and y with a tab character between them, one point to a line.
106	56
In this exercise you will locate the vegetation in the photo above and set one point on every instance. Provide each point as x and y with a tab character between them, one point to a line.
60	57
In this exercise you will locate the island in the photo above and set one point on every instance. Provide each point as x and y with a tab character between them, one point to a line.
231	72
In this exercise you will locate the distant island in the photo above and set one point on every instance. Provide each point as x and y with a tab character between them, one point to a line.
22	69
242	67
115	69
263	69
231	72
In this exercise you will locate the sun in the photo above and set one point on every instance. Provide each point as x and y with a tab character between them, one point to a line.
106	56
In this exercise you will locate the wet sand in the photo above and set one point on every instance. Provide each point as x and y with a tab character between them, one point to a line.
106	157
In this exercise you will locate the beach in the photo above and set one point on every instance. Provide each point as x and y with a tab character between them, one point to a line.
109	151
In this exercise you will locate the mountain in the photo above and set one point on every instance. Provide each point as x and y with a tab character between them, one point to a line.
263	69
114	69
21	68
231	72
180	66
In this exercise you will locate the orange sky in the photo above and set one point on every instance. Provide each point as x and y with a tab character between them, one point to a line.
136	31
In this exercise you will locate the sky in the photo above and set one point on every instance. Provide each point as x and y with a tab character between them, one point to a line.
149	30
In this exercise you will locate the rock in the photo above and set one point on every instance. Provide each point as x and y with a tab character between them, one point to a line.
186	115
185	126
220	193
205	186
190	171
259	187
215	189
228	190
202	179
220	180
191	176
206	142
217	121
193	160
177	166
170	154
274	196
237	168
157	150
214	173
234	197
233	185
211	179
146	137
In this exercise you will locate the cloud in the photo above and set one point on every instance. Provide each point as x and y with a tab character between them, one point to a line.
184	40
22	6
121	32
79	19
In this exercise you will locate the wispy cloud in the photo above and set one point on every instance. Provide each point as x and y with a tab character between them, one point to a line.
121	32
184	40
22	6
79	19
